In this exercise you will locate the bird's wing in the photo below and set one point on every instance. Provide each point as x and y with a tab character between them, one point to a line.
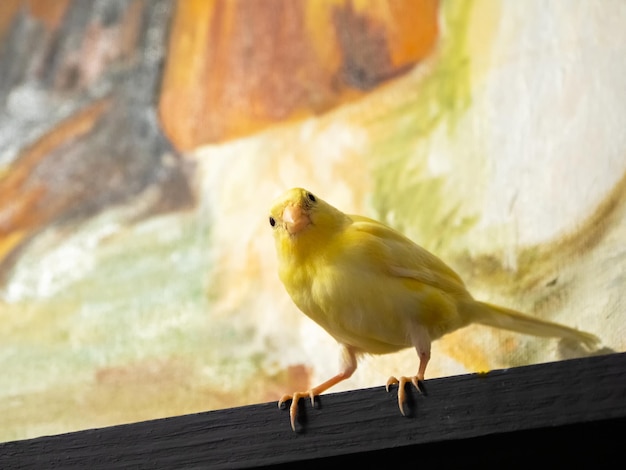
402	257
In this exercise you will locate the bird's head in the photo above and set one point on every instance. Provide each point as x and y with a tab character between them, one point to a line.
299	214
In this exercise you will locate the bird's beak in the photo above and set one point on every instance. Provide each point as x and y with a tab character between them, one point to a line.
295	219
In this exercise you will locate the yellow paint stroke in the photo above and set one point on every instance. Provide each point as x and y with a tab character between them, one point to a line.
460	346
10	241
400	140
483	20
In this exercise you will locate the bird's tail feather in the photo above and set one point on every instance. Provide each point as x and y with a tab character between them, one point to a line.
505	318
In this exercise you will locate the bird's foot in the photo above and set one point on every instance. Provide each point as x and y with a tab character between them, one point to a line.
402	381
293	408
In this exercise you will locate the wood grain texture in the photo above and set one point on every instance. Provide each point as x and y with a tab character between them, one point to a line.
576	408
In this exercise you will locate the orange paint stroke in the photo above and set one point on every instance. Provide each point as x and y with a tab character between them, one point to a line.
234	68
17	217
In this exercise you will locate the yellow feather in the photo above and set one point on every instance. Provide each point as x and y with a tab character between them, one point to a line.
374	290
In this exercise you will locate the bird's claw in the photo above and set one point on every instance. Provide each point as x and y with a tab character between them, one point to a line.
402	381
293	408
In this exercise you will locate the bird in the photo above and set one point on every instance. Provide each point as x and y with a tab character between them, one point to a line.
375	291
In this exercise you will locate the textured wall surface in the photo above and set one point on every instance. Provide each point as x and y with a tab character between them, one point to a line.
142	142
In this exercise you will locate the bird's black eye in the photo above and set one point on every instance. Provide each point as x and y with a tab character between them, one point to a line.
272	221
311	197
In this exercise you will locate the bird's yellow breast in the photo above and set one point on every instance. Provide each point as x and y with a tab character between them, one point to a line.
345	287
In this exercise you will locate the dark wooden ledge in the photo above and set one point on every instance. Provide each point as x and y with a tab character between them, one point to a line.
570	412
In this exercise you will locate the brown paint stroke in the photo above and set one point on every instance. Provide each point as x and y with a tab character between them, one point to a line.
18	195
50	13
594	229
538	264
365	49
101	45
587	235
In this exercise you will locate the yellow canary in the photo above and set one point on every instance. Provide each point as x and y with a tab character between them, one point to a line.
375	291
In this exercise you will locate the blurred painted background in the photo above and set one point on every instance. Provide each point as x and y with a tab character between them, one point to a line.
142	142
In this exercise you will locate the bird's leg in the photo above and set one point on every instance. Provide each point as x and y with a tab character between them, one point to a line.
348	366
421	341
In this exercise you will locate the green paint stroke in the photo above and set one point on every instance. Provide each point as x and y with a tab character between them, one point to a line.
405	195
